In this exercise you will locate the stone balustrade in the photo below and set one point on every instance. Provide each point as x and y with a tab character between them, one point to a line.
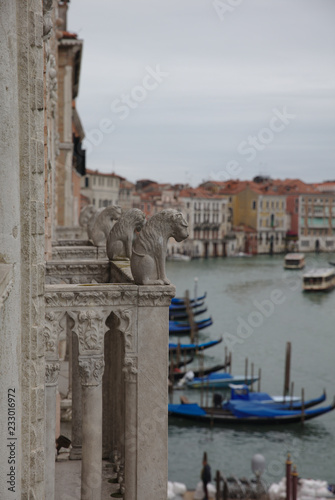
119	366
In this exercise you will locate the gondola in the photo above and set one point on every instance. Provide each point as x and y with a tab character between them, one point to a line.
242	393
180	315
188	348
181	300
245	414
183	327
178	375
182	363
218	381
181	307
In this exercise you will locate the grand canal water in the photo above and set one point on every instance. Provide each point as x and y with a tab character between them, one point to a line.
235	289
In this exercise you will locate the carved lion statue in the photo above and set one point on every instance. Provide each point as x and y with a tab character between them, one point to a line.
120	238
101	223
149	248
86	214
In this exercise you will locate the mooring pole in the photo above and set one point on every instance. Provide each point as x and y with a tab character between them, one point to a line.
294	483
288	477
287	370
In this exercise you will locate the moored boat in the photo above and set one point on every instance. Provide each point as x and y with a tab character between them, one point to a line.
181	307
184	327
181	300
242	393
178	375
181	315
246	413
187	348
319	280
218	381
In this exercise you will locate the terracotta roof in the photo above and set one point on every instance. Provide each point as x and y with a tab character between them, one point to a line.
96	172
67	34
198	193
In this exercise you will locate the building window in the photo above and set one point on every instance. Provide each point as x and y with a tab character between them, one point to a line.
87	182
254	205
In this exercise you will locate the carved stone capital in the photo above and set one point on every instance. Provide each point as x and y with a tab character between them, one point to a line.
90	327
51	372
130	369
91	369
155	296
52	329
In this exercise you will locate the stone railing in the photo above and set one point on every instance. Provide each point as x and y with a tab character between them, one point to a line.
118	339
77	252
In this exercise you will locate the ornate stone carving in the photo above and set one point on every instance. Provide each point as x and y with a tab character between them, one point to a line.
124	326
52	369
90	327
130	369
53	94
119	296
86	214
100	224
59	272
148	298
91	370
52	329
120	238
149	248
47	18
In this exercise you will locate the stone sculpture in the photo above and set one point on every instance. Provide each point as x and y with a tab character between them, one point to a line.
149	248
86	214
120	238
101	223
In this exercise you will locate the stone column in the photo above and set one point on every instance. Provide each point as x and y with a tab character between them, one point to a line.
131	427
51	382
91	369
146	449
76	450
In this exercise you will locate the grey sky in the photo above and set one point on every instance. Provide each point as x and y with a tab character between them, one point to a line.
229	68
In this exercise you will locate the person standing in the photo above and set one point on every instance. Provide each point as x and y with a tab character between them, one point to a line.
205	475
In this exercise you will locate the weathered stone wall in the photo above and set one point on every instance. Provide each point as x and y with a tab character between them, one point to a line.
22	247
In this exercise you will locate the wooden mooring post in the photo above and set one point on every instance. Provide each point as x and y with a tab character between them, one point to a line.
294	476
287	370
190	316
288	477
259	380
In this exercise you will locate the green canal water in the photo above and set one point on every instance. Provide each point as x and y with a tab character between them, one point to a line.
237	289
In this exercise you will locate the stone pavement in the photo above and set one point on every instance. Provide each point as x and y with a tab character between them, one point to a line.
68	480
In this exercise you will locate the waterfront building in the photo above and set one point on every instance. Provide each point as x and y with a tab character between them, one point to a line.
271	221
207	216
317	222
100	188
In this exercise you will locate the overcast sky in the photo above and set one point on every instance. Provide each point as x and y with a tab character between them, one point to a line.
190	90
